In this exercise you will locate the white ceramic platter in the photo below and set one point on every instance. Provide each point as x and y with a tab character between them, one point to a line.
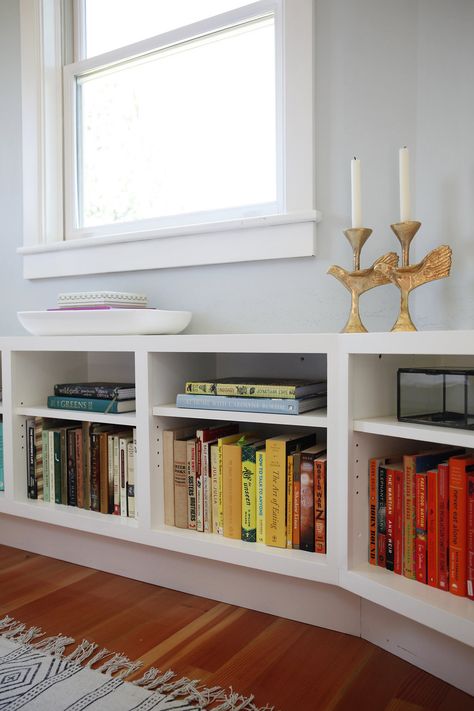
113	322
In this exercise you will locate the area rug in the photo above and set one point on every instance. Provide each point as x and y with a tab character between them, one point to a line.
39	673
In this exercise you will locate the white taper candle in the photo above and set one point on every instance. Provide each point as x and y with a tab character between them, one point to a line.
404	174
356	202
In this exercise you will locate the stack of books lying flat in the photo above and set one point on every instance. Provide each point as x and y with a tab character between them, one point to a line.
78	300
275	395
93	397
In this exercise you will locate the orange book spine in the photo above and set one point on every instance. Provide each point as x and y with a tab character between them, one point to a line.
458	470
432	527
409	517
420	522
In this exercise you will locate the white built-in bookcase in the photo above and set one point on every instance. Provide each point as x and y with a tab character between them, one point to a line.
360	422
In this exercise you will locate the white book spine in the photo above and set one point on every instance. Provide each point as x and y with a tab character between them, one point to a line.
199	489
131	480
123	442
207	487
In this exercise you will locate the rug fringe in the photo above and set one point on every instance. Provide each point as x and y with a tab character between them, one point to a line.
121	667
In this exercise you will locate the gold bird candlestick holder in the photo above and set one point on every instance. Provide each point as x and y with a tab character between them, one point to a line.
359	280
436	265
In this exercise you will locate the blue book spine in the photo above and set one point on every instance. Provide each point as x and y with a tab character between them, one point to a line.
238	404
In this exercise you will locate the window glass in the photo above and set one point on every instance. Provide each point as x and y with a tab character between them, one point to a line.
116	23
187	129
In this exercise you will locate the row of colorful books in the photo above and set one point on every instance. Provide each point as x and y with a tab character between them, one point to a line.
83	464
421	517
274	395
246	485
108	397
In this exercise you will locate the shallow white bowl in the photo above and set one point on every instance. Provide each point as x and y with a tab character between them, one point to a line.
115	322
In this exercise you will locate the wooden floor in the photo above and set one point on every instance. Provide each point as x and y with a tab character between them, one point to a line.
294	666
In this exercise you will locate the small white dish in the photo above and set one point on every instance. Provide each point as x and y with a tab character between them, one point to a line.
113	322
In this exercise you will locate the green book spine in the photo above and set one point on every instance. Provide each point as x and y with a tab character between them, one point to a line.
57	467
249	495
46	487
86	404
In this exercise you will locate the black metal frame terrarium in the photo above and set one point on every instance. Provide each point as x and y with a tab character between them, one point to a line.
436	396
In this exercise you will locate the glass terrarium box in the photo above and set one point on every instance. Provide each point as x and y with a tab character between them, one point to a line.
436	396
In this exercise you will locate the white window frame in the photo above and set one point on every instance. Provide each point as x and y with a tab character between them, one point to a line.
288	233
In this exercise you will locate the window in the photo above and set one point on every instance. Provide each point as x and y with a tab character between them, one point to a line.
169	136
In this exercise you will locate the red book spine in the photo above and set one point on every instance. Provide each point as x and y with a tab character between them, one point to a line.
458	472
470	537
420	525
432	528
398	522
443	526
373	466
390	511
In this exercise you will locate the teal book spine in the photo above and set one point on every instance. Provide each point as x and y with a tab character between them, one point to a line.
86	404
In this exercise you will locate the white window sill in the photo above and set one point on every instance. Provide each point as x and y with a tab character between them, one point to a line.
241	240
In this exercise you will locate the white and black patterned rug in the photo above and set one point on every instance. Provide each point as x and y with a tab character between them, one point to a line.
37	674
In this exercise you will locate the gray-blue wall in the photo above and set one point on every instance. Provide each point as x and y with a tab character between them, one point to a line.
388	73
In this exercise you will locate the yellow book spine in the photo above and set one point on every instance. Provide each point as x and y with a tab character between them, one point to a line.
220	443
289	503
249	390
195	388
260	475
232	490
275	494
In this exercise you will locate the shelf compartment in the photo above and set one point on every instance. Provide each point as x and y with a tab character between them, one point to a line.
126	418
389	426
313	418
437	609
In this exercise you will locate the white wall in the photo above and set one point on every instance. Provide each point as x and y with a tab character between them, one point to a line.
388	74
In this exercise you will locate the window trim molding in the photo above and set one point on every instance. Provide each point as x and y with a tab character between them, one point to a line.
243	240
284	235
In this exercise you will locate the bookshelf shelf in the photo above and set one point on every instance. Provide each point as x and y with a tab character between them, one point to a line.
391	427
440	610
127	419
314	418
361	376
